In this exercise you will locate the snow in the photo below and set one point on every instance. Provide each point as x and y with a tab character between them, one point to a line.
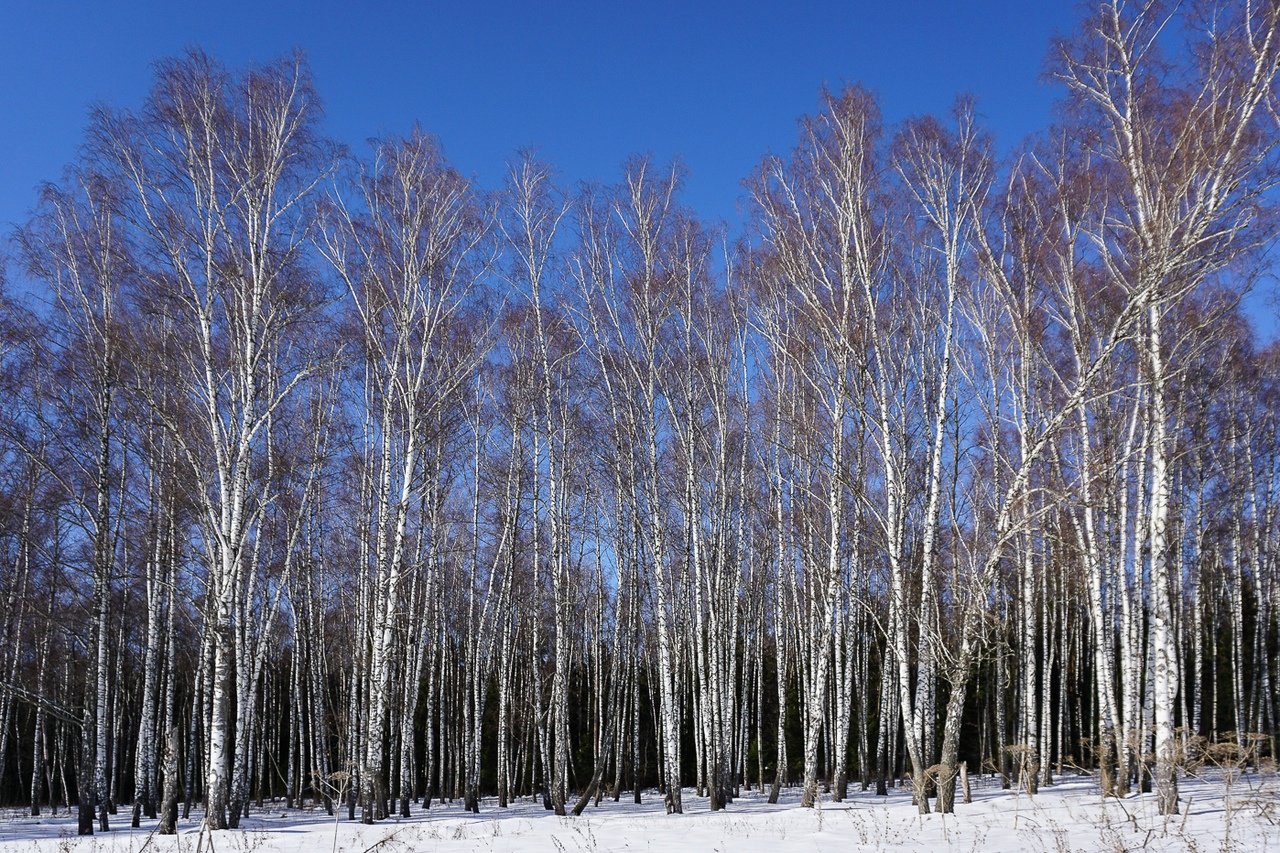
1068	816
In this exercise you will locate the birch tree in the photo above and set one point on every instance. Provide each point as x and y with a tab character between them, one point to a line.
1192	154
221	170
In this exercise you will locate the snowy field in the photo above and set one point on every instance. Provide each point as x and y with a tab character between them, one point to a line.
1067	817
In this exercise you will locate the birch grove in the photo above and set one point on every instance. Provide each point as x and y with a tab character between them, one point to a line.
335	479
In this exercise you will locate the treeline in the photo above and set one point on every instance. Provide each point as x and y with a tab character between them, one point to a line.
339	478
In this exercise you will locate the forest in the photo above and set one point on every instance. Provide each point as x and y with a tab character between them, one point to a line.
330	477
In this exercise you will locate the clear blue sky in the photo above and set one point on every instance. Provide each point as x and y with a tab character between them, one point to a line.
584	83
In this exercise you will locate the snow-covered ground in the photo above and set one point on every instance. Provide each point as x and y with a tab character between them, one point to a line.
1069	816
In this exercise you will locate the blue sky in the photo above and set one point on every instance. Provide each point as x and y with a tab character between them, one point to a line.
585	84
